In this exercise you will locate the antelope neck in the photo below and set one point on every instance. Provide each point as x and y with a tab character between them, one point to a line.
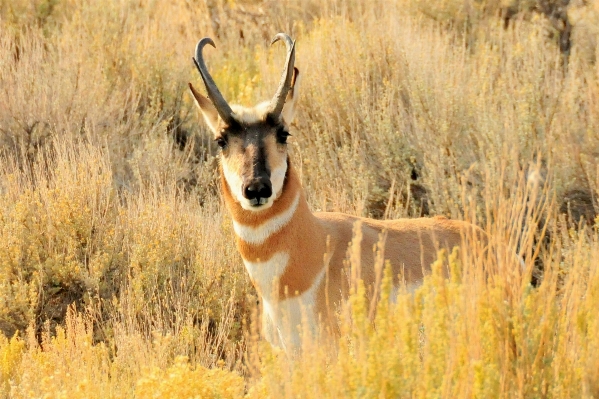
286	231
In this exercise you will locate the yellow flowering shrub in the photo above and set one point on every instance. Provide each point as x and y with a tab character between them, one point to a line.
11	352
185	382
456	336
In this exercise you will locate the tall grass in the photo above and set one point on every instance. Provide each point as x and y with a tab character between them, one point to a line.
118	272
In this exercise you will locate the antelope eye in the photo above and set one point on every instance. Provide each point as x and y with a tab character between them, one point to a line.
282	135
221	141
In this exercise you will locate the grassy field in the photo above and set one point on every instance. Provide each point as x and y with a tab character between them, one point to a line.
119	276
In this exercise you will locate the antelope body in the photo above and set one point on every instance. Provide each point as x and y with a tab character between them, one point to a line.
295	258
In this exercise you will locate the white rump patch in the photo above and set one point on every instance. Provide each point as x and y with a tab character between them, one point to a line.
257	235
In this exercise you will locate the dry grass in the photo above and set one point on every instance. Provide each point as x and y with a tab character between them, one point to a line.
118	273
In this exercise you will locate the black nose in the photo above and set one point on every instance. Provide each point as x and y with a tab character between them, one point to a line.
257	191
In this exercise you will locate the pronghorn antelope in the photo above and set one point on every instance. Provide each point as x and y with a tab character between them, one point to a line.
286	248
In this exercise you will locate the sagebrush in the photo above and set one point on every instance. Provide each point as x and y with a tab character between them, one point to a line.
118	274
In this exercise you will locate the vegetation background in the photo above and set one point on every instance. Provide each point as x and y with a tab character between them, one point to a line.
118	272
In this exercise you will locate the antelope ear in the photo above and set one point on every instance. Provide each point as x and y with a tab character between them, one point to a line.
289	108
208	110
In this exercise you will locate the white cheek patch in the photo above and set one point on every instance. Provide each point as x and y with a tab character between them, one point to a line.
277	179
257	235
235	184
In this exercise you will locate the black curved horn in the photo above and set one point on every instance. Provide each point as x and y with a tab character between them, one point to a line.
221	105
278	101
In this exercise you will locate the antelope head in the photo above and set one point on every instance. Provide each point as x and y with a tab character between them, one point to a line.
253	141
